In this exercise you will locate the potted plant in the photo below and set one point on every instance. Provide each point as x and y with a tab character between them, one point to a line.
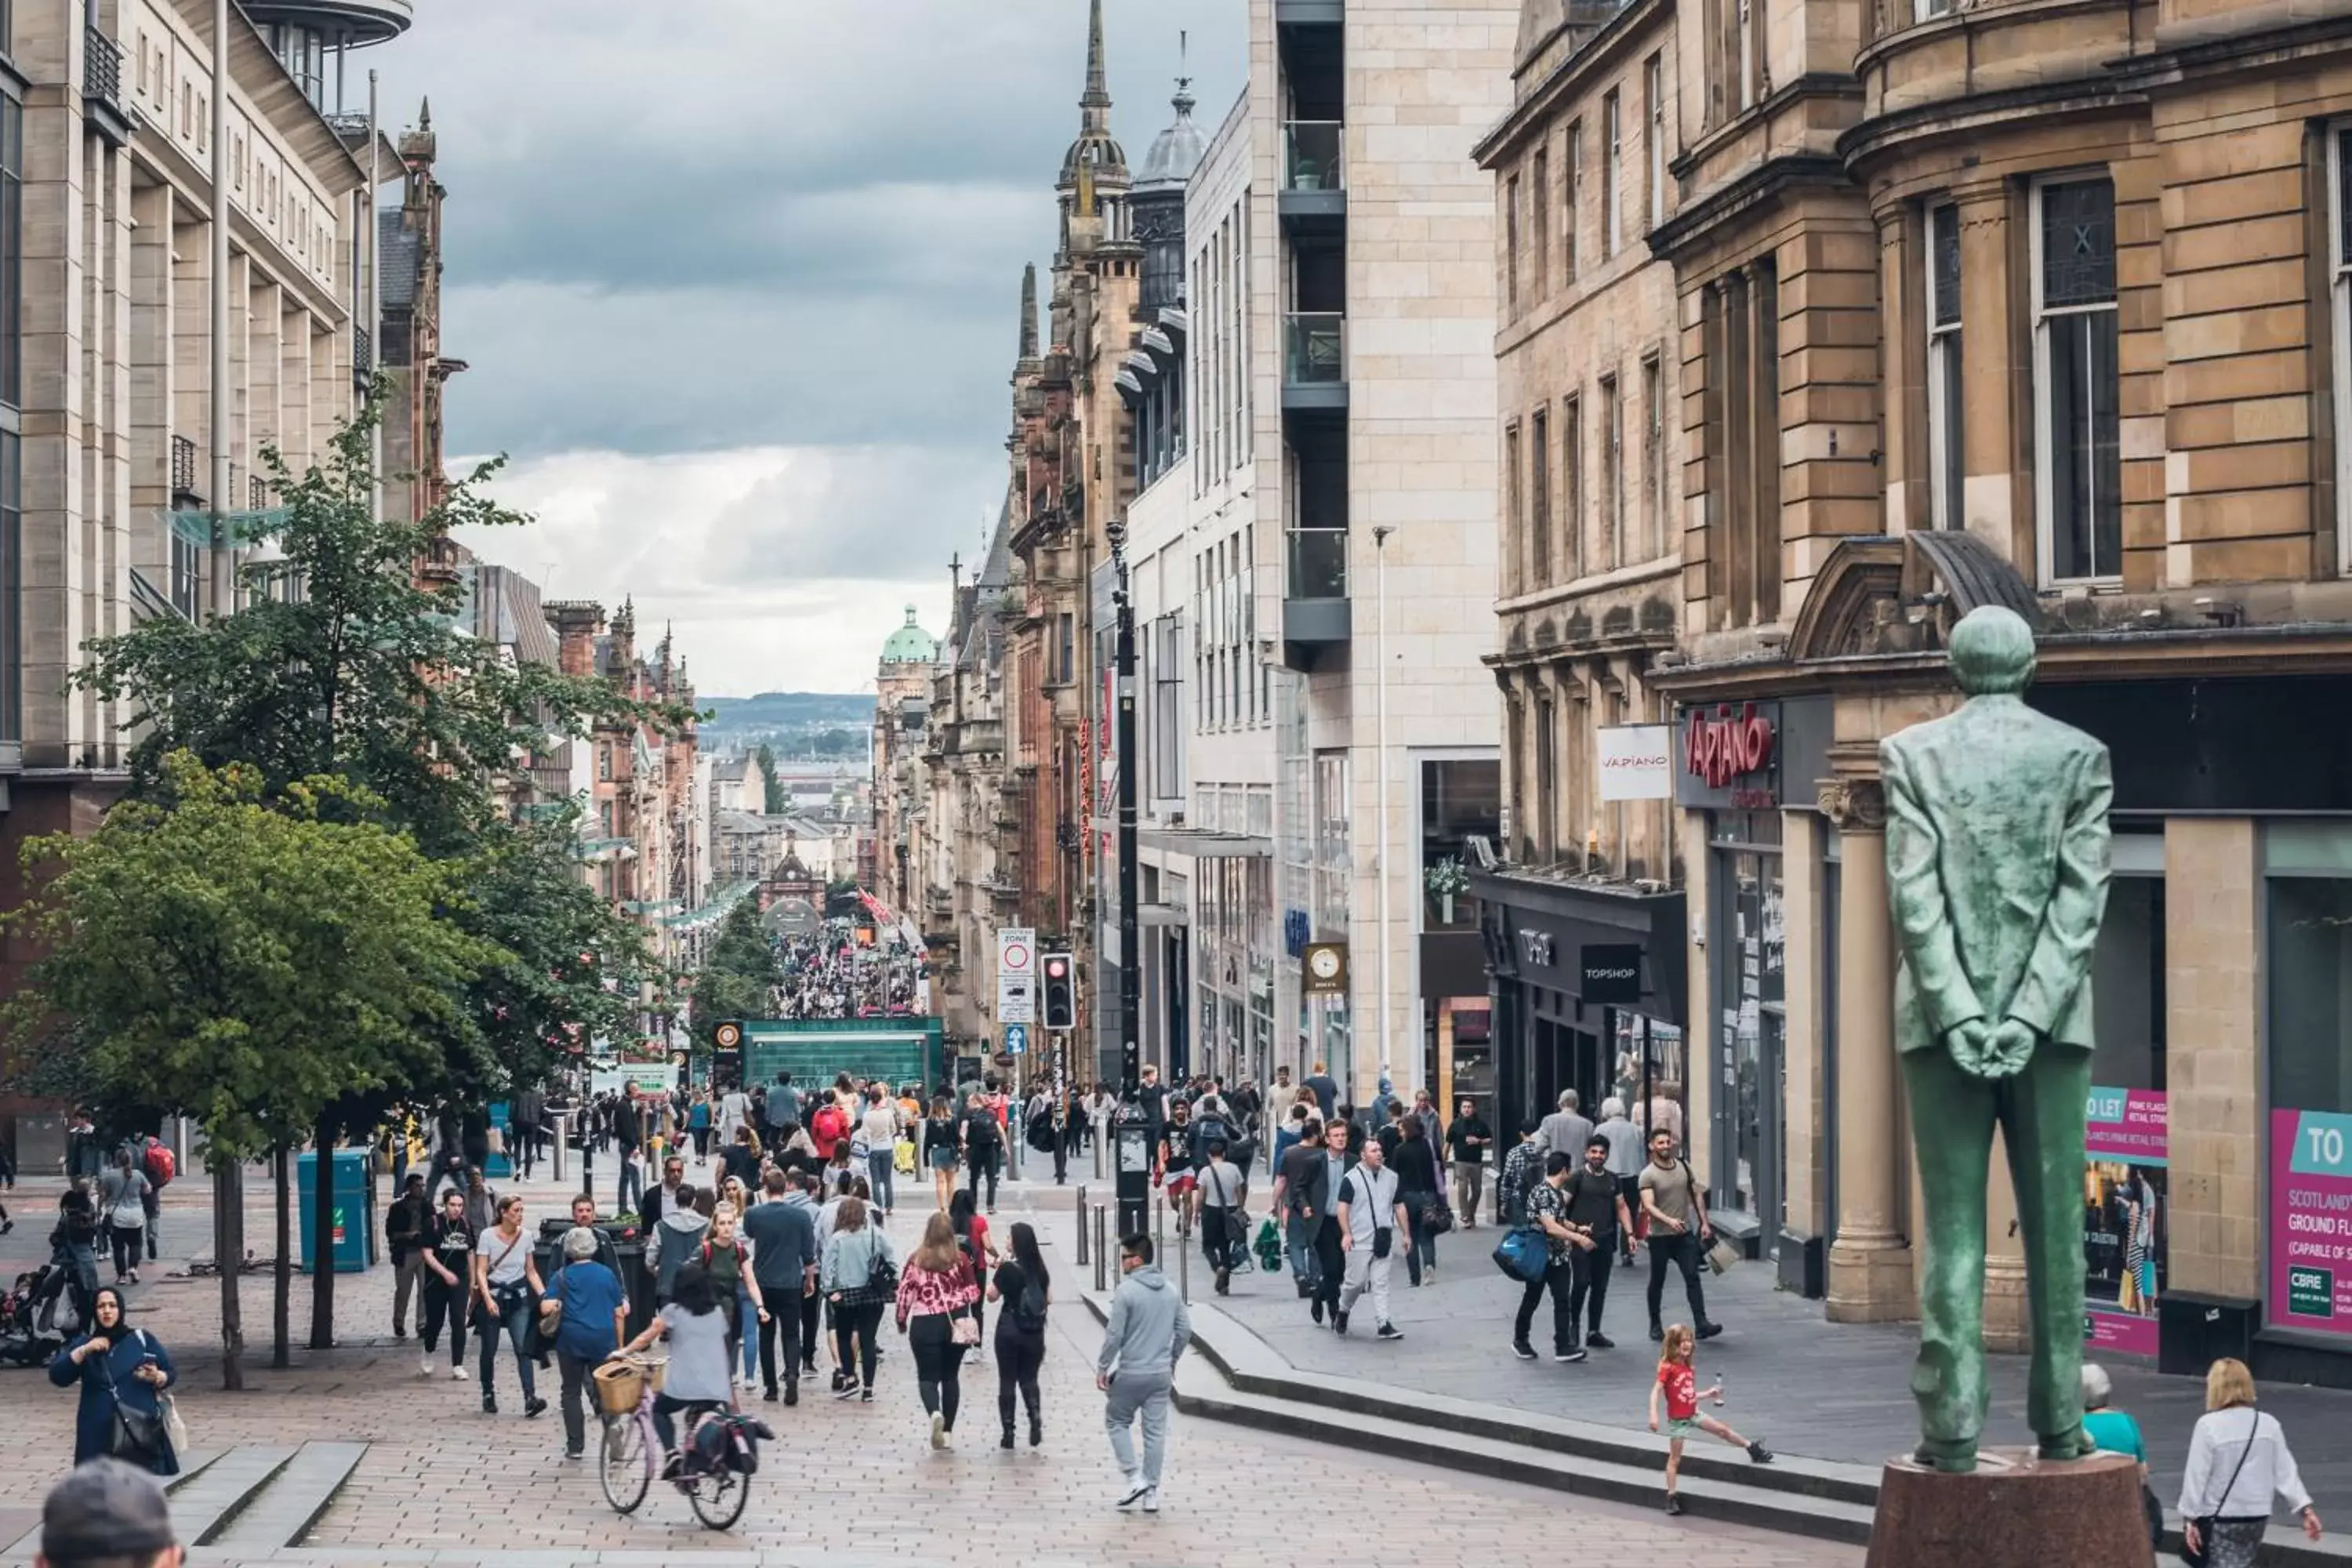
1446	880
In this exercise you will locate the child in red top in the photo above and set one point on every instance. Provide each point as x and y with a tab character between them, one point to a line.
1678	1385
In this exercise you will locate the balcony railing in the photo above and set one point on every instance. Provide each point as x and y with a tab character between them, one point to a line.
184	473
101	63
1315	348
363	357
1311	155
1319	563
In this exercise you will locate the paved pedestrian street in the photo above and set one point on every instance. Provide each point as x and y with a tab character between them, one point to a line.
851	1485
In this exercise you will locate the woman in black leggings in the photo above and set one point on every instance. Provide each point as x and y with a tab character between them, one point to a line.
935	1290
1022	1286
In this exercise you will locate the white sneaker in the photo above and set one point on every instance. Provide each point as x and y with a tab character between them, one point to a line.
1151	1501
939	1431
1134	1490
424	1365
456	1375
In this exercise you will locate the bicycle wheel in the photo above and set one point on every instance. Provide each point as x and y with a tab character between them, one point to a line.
623	1465
719	1498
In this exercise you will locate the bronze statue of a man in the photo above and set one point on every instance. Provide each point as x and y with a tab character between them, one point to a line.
1997	852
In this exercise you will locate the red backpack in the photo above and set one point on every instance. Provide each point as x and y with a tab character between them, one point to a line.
161	1165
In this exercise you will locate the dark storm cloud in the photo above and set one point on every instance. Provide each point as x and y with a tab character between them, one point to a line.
711	223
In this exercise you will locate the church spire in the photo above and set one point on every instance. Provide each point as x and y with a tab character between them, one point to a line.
1029	311
1096	101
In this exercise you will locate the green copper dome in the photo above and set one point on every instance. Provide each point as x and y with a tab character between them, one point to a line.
910	643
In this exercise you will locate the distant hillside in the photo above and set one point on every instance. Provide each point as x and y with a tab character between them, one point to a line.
786	713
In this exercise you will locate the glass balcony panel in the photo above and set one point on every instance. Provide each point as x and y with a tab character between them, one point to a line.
1315	349
1319	563
1311	155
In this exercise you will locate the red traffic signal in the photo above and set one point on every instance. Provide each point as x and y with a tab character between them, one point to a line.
1058	1008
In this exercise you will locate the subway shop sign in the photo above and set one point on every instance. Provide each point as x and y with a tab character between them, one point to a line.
2310	1229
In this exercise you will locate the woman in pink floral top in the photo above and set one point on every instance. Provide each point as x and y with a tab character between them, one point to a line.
937	1292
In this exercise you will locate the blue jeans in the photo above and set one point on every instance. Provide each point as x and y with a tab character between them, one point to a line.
880	1173
516	1320
1299	1243
747	1329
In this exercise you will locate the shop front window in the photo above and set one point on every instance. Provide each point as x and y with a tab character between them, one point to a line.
1749	1177
1460	799
2309	961
2126	1210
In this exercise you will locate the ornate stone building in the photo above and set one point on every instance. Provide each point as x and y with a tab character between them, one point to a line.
415	371
1590	545
902	701
2133	217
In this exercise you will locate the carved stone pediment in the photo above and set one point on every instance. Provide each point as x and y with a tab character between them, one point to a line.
1881	595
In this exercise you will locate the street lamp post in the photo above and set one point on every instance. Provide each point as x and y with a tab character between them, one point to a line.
1130	975
1381	745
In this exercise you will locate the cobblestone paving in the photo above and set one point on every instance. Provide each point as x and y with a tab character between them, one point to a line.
443	1483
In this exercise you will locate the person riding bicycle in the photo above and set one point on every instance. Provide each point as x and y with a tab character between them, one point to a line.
699	1378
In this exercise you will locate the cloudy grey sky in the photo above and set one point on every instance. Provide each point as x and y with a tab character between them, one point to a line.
738	281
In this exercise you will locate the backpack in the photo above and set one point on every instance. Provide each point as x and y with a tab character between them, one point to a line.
161	1166
1029	1312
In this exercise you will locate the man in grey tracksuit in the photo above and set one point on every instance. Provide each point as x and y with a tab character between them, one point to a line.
1146	1332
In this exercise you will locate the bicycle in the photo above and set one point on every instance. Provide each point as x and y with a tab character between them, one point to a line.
628	1460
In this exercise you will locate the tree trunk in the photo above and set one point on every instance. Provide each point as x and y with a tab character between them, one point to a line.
322	1237
229	1251
282	1295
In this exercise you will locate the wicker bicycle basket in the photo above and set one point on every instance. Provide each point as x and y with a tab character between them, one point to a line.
620	1385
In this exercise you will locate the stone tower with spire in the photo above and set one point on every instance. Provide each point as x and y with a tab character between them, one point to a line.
416	371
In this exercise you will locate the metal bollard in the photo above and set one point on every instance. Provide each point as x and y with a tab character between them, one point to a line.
1184	1271
1082	1227
563	1161
1102	1136
1101	1271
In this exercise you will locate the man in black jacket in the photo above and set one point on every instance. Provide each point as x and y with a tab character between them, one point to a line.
403	1236
655	1203
628	1136
784	1260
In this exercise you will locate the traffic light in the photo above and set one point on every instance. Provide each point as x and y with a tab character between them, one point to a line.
1060	1008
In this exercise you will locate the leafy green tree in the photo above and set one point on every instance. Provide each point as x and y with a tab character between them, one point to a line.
775	801
738	973
347	660
243	960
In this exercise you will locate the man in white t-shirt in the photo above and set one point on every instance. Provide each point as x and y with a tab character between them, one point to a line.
1370	1221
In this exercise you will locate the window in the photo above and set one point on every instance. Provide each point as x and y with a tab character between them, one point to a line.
1460	799
1539	490
1751	34
1571	199
1653	456
1612	234
604	762
1655	87
2076	381
12	253
1946	411
1066	653
1511	244
1571	474
2339	249
1167	703
1923	9
1541	221
1612	476
1547	823
1514	496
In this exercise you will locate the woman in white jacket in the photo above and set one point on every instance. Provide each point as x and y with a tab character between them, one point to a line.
2238	1461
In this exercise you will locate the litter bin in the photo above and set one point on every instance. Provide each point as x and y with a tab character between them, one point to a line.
353	1241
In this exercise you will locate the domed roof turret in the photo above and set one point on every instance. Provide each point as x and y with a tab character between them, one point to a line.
1177	151
1096	150
910	643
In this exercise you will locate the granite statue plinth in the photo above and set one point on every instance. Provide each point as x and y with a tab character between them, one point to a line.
2015	1509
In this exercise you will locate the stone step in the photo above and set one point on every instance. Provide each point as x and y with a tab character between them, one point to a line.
215	1495
23	1548
282	1511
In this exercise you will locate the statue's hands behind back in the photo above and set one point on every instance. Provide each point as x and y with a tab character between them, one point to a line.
2009	1047
1966	1041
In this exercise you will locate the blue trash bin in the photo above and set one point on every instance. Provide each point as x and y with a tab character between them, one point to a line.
353	1241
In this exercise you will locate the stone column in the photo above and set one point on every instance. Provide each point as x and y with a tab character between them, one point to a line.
1802	1134
2213	1010
1870	1262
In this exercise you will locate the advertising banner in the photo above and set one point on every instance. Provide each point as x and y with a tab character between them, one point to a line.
2125	1220
2311	1221
1637	761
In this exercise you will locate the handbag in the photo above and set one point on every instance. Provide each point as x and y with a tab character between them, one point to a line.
134	1437
1721	1255
2205	1521
963	1330
1523	1254
175	1430
1436	1218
